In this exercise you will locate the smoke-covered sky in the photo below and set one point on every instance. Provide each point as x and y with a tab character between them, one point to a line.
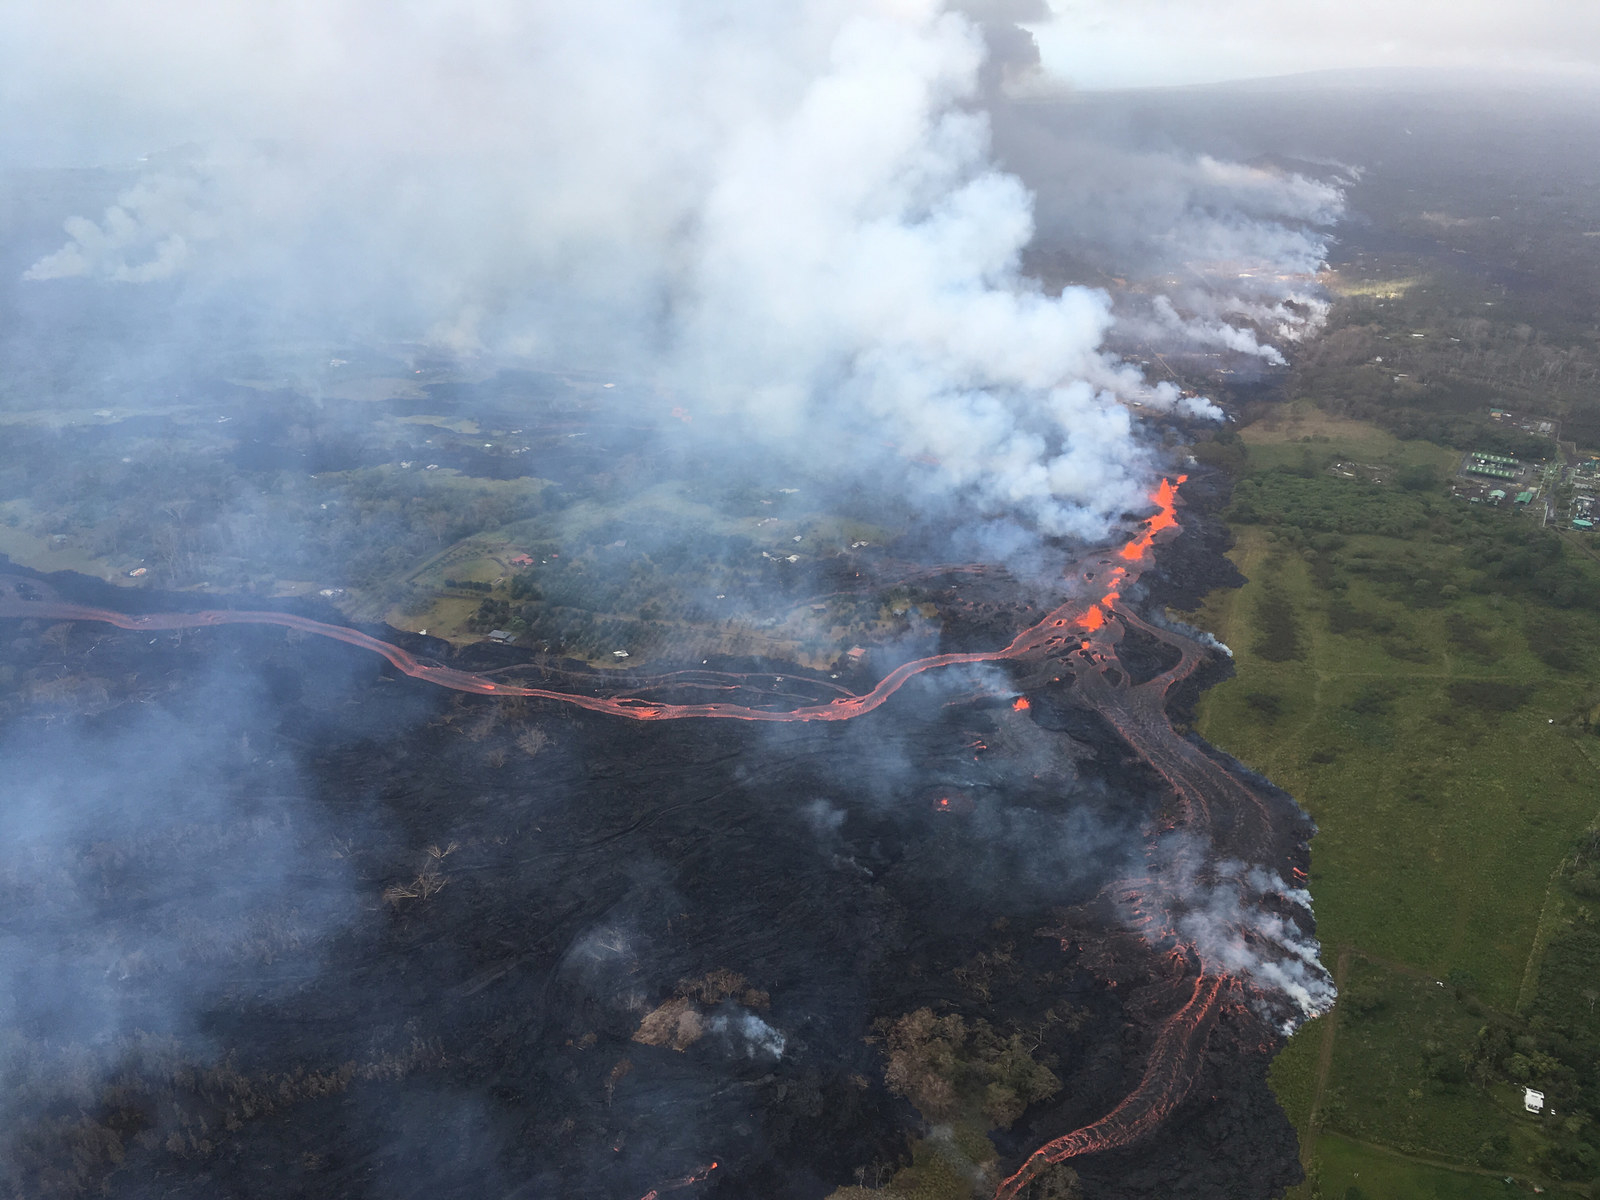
791	212
1155	43
99	78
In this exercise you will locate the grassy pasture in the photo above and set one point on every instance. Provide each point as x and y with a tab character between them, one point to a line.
1289	426
1352	1171
1441	818
1410	703
1396	1077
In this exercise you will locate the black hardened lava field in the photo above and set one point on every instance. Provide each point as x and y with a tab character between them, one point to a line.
358	915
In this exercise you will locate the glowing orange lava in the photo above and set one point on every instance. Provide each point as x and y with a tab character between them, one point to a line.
1020	704
952	802
1166	497
687	1181
1174	1063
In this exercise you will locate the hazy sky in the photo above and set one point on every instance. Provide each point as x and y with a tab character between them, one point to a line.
99	78
1136	43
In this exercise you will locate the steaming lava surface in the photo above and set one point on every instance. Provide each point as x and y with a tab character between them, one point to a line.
319	928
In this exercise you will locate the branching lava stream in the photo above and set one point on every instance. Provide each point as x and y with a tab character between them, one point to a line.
1206	804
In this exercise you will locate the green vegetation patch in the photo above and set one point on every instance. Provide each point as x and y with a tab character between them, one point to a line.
1317	504
1400	1060
966	1078
1407	668
663	568
1294	1075
1351	1171
1439	784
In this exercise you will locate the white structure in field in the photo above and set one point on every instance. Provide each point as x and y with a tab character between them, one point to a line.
1532	1101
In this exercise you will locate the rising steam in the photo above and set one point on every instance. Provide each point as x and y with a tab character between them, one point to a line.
788	213
1245	921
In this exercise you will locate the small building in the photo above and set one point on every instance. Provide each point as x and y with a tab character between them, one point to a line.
502	636
1494	472
522	560
1532	1101
1524	497
1582	523
1496	496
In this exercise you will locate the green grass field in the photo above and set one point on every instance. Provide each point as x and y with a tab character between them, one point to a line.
1351	1171
1407	707
1441	820
1396	1078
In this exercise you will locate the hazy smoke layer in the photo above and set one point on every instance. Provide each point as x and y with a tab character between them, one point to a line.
141	880
1218	254
1206	254
785	212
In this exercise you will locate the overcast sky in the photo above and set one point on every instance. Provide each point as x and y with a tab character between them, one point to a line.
1138	43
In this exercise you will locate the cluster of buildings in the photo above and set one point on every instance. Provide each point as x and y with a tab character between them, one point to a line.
1539	426
1497	497
1583	512
1496	466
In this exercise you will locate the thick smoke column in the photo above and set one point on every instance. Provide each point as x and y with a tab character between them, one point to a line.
789	214
897	293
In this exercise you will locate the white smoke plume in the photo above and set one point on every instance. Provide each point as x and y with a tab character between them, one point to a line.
749	1034
1204	637
147	235
1202	253
1229	912
1169	325
789	214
